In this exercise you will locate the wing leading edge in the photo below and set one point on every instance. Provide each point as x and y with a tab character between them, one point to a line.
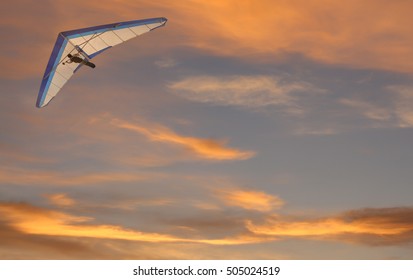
86	43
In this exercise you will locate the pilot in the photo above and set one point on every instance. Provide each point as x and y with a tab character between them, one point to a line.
77	59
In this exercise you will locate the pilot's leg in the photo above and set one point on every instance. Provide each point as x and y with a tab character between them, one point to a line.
90	64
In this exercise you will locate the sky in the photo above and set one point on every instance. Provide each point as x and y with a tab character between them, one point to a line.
241	130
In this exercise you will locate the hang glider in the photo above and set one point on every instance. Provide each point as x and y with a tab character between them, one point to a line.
75	48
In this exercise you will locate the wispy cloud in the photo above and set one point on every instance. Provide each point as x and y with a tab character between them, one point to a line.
60	199
243	91
380	226
37	226
403	105
22	176
312	130
29	219
129	204
15	244
249	199
204	148
206	205
395	112
14	154
34	220
371	226
166	63
368	109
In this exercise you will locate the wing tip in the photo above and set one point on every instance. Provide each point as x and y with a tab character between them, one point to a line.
40	104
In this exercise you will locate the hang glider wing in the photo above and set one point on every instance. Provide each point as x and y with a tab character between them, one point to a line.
86	43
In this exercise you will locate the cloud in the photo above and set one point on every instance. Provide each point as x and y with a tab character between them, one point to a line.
250	200
208	206
338	33
308	130
368	109
203	148
23	38
243	91
370	226
29	219
15	244
341	33
60	199
27	230
395	112
15	154
403	105
166	63
20	176
130	204
34	220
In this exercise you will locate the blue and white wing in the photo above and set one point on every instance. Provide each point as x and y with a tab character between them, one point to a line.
86	43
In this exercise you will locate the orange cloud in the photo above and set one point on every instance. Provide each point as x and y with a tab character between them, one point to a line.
251	200
34	220
204	148
382	226
133	203
367	34
371	34
17	245
32	177
368	226
325	227
14	154
61	235
205	205
60	199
